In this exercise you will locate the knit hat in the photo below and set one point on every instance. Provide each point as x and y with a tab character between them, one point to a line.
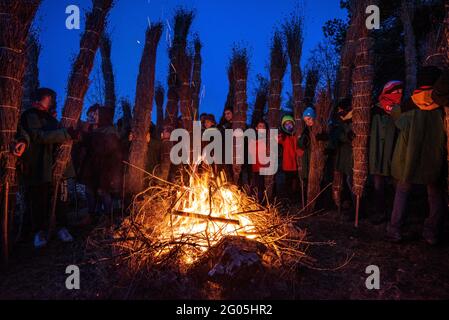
288	124
392	86
309	113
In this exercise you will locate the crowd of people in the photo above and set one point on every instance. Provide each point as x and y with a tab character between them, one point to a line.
407	146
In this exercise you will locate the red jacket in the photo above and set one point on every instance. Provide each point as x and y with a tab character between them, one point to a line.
289	152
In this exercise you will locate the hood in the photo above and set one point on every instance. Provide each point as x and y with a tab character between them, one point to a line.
422	97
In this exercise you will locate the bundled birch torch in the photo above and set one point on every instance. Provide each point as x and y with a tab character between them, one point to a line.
15	22
143	109
318	157
343	89
278	67
362	88
78	85
239	66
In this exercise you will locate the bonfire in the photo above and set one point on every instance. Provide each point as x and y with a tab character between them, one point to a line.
181	224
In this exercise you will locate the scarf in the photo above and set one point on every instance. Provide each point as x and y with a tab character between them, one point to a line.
387	98
422	97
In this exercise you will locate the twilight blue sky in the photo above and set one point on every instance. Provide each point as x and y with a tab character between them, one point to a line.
219	23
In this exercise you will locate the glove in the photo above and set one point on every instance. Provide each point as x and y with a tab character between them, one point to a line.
351	135
75	134
322	136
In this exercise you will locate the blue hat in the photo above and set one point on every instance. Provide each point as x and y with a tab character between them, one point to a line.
309	112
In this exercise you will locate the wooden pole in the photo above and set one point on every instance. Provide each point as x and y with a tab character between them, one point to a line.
5	223
357	207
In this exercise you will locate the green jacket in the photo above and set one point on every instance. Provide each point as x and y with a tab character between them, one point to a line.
419	155
44	136
342	144
381	144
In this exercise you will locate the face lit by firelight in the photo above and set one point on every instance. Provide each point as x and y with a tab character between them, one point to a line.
309	121
228	115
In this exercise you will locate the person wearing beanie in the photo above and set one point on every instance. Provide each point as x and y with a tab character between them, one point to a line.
288	141
419	156
340	144
304	143
309	114
381	145
45	134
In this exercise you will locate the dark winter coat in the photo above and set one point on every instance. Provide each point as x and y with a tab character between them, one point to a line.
44	137
420	151
304	144
102	165
154	154
382	142
341	143
440	92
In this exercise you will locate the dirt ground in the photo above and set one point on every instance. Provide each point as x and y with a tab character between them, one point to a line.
410	270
